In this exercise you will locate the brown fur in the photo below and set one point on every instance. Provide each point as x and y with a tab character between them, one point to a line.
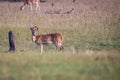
47	39
30	3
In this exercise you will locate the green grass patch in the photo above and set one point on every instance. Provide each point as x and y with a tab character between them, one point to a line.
52	66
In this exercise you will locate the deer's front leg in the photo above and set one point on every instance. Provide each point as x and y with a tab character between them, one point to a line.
41	48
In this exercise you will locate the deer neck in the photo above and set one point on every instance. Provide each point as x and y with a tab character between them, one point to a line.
33	36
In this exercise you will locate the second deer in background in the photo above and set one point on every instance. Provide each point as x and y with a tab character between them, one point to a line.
30	3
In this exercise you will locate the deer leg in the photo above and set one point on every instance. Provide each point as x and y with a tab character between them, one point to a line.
30	5
22	7
37	6
61	48
41	49
58	45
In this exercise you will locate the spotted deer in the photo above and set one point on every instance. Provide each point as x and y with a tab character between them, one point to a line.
30	3
47	39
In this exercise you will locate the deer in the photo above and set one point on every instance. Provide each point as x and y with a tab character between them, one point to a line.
30	3
47	39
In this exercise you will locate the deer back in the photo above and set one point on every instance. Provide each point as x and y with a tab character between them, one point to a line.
49	38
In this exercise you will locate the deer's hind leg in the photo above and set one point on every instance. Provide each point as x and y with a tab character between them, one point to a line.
58	45
37	6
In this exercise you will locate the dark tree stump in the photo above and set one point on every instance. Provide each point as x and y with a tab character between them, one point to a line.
12	43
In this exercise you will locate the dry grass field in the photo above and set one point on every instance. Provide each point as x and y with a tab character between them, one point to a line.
91	30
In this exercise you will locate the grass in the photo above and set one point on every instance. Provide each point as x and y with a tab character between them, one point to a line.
91	42
88	55
52	66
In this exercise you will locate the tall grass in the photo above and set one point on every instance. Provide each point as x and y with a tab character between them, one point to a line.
51	66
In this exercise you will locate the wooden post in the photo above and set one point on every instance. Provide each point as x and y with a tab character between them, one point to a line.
12	44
